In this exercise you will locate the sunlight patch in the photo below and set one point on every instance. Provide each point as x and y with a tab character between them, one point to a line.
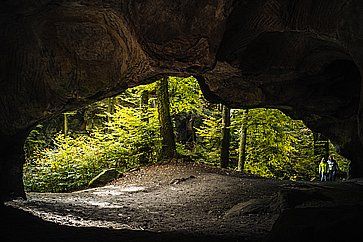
115	191
103	204
107	193
132	189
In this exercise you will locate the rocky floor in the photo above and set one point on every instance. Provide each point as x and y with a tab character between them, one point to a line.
188	202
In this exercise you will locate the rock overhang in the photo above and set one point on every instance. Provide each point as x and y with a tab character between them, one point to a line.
303	57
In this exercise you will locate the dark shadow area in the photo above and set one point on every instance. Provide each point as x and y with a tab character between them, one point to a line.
340	223
18	225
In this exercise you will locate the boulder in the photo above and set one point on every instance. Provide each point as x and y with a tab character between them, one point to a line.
252	206
104	177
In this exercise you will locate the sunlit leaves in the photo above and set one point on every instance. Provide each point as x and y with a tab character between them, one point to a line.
72	161
121	135
185	94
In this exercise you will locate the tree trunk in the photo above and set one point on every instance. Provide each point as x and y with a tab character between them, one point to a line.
242	142
168	150
326	148
226	121
144	149
65	124
321	146
144	103
110	107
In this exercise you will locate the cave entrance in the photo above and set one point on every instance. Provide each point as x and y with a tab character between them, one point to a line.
99	166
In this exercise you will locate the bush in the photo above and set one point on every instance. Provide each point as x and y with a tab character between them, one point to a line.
71	161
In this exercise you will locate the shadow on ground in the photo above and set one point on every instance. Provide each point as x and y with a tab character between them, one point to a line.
18	225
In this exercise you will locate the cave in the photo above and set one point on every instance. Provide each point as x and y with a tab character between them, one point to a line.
302	57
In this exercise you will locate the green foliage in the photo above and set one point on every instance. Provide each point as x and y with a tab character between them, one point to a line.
119	133
278	146
209	139
186	96
72	161
68	166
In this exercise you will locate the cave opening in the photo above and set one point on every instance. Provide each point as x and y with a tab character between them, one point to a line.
185	196
123	133
178	198
301	57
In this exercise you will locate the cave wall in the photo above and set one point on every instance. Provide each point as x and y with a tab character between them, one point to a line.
304	57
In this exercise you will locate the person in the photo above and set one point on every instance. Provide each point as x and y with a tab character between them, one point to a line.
332	168
323	169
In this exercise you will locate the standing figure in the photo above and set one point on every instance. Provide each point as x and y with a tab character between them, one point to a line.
323	166
332	168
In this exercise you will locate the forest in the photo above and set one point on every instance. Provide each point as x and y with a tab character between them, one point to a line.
163	121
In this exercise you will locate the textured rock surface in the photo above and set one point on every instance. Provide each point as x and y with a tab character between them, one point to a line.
304	57
318	224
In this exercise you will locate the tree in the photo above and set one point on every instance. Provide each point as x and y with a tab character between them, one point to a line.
242	141
65	123
144	102
321	146
110	107
226	136
144	149
168	150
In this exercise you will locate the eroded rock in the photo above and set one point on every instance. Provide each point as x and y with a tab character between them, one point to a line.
303	57
285	199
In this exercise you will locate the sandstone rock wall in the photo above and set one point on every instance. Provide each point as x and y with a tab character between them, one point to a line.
304	57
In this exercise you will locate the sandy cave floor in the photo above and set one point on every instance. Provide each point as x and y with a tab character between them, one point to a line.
182	199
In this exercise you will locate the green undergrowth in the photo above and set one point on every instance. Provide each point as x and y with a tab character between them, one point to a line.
122	134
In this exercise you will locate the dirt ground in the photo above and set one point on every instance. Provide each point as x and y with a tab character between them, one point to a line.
176	202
